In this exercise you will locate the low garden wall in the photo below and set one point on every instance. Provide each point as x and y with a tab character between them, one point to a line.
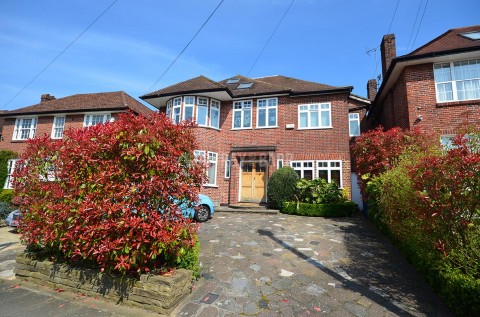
152	292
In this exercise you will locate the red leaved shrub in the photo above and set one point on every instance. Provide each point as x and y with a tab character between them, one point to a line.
108	194
448	190
377	151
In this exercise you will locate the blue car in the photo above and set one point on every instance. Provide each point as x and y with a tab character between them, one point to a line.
202	211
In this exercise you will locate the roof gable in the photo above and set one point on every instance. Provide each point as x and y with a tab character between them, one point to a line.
449	41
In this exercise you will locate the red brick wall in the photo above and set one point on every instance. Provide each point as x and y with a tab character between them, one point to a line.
44	126
414	95
319	144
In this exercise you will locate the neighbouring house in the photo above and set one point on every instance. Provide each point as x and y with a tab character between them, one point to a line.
247	128
436	87
52	116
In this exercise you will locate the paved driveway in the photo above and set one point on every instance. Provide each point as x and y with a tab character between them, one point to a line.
280	265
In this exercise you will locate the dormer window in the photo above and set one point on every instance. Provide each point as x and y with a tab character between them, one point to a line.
245	86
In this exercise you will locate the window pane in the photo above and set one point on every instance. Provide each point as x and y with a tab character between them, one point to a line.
212	168
188	112
272	117
314	119
323	174
354	128
215	118
247	117
325	118
445	92
262	117
237	119
308	174
303	120
442	72
202	115
335	176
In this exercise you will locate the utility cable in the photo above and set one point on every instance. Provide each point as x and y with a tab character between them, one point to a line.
184	49
414	24
61	53
393	17
270	38
421	20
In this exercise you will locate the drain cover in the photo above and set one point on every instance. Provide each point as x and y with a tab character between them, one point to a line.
209	298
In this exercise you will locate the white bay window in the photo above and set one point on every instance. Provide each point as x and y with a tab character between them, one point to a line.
457	81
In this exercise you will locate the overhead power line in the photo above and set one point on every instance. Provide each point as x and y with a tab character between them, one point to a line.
413	27
184	49
61	53
270	38
421	20
393	17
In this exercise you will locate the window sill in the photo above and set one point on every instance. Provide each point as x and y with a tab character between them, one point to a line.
320	128
210	186
275	127
239	129
472	102
19	141
208	127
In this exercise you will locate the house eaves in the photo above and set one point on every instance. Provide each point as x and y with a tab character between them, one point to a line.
13	113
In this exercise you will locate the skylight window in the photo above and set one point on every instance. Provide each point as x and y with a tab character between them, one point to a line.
472	35
244	85
233	81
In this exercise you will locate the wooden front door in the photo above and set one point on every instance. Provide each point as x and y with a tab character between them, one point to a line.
253	182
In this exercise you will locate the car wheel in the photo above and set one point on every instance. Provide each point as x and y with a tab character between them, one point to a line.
202	214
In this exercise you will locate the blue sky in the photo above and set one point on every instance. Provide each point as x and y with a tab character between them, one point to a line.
129	48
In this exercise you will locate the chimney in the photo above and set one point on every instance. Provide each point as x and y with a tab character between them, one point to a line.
388	51
46	97
372	89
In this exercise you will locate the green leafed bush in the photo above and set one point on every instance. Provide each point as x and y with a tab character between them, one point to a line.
344	209
5	209
6	196
281	186
5	155
319	191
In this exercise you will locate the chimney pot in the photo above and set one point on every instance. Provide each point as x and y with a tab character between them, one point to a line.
47	97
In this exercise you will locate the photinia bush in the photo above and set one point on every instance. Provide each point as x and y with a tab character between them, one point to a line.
377	151
108	194
448	191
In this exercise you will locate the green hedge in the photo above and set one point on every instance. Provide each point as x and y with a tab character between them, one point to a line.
5	155
319	210
6	195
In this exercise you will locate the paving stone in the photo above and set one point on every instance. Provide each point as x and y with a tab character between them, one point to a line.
250	308
209	311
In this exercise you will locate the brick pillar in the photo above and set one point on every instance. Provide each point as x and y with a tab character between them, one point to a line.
389	52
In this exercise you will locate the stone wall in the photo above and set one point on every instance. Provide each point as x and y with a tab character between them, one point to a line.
151	292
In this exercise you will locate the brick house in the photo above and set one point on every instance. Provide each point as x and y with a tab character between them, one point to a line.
436	87
248	128
52	116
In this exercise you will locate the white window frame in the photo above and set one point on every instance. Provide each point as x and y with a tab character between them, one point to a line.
353	117
267	107
329	168
453	81
202	102
243	107
168	111
304	168
177	105
11	164
188	105
212	158
214	106
88	119
279	164
57	130
228	164
317	108
20	128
